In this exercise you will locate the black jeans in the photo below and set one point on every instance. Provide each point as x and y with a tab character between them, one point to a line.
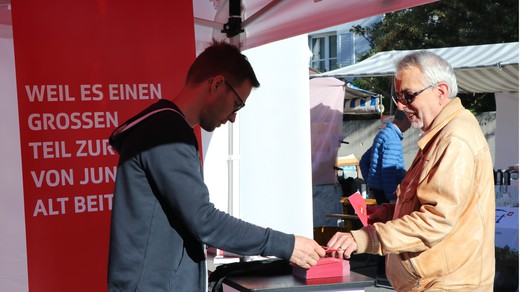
380	199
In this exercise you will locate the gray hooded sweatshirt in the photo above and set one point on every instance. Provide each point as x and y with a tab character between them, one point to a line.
161	214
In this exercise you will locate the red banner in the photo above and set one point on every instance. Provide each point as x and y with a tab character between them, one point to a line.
83	67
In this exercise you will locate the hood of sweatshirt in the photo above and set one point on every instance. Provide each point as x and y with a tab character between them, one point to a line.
120	134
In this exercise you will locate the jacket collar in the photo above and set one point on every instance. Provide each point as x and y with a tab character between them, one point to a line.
448	113
396	129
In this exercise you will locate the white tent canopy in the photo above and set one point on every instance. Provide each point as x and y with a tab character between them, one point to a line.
268	21
480	68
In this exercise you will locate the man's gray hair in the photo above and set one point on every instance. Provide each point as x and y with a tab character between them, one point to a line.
434	68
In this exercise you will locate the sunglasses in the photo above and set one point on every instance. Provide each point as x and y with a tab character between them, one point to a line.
407	98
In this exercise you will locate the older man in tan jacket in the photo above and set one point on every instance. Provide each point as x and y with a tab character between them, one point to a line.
441	236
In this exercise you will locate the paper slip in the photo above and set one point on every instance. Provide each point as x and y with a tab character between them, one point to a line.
360	206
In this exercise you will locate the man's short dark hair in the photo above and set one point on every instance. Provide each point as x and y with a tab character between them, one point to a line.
222	58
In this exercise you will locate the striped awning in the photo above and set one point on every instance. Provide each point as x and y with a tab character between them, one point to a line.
361	101
480	68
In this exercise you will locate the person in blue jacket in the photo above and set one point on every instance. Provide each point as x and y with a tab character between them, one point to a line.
382	165
161	215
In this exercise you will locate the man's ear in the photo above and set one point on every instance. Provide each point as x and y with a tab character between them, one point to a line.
217	81
443	89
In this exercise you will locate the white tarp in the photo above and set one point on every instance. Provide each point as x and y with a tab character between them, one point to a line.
326	103
267	21
330	98
479	68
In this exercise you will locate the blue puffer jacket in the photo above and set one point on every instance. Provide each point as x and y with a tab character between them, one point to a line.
382	165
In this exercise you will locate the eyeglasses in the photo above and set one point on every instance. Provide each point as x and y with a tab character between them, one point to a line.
407	98
242	103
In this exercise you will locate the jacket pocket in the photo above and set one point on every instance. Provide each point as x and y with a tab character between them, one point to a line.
401	272
409	265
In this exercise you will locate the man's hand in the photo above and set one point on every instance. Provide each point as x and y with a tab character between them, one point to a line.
306	252
344	243
377	213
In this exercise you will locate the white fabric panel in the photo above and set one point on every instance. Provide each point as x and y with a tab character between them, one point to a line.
480	68
275	150
326	104
13	256
216	159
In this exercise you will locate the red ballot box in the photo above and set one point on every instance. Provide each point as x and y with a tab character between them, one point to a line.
326	267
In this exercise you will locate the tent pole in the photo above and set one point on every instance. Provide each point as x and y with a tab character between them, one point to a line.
233	28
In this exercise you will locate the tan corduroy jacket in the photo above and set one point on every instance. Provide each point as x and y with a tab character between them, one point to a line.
442	234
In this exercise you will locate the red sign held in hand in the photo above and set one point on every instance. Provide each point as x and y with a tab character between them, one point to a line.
360	206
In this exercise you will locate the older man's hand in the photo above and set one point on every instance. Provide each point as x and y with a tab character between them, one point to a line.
344	243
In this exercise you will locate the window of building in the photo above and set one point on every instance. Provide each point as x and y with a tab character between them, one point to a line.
324	48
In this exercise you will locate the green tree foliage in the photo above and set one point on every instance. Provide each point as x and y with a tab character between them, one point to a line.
441	24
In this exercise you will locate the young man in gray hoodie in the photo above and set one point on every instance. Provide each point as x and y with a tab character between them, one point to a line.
162	216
